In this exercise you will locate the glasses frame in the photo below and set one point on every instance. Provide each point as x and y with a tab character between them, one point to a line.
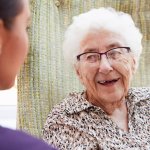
105	53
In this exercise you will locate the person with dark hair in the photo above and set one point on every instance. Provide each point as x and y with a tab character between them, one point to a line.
14	19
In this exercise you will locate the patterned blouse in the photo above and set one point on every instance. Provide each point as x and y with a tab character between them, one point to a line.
76	124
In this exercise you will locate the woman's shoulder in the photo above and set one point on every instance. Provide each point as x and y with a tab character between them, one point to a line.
143	92
62	111
139	94
68	104
69	100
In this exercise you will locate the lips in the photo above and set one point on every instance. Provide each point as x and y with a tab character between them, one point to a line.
107	82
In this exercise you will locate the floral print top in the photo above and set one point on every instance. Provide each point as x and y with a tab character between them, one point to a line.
76	124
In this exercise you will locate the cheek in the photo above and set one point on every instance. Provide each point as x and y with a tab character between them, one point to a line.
12	57
87	75
24	40
26	44
22	47
124	67
18	49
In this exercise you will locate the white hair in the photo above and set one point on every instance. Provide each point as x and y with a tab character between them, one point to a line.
101	19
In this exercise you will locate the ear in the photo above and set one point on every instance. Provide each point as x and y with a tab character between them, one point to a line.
76	67
134	65
78	72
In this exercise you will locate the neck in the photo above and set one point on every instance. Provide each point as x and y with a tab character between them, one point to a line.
109	107
117	111
120	117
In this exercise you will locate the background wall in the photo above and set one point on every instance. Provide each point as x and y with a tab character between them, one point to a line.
8	107
45	78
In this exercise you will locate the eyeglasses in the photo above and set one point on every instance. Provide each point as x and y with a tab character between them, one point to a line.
112	54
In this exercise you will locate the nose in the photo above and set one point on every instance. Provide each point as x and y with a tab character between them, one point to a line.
105	66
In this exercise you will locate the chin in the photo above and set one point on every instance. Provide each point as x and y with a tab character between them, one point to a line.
7	84
114	97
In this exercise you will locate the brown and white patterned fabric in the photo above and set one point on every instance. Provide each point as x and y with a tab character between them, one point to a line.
76	124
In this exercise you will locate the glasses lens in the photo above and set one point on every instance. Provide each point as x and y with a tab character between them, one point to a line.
90	57
117	53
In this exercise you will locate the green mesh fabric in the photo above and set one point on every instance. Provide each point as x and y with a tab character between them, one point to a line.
45	79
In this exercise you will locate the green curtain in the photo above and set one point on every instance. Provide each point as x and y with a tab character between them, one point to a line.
45	79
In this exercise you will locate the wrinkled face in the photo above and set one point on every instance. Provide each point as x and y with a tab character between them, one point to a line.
13	47
105	81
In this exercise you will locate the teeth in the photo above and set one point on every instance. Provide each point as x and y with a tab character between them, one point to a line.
107	81
102	82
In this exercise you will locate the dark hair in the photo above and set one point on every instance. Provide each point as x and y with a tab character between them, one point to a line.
9	9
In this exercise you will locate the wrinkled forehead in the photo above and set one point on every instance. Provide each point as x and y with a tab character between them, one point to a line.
101	40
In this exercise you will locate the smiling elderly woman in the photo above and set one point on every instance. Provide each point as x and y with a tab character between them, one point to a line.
104	47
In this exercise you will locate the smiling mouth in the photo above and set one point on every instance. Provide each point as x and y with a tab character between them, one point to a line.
108	82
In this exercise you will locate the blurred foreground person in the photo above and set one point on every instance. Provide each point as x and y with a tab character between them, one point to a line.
14	20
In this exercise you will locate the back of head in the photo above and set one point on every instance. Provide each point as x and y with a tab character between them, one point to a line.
97	20
9	9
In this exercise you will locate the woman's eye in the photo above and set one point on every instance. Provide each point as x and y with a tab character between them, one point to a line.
92	58
115	54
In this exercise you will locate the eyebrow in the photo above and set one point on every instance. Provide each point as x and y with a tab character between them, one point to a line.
113	45
110	46
91	50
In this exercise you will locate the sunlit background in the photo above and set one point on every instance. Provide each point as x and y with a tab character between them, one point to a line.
8	107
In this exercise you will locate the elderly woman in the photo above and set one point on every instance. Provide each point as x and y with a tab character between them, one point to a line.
104	47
